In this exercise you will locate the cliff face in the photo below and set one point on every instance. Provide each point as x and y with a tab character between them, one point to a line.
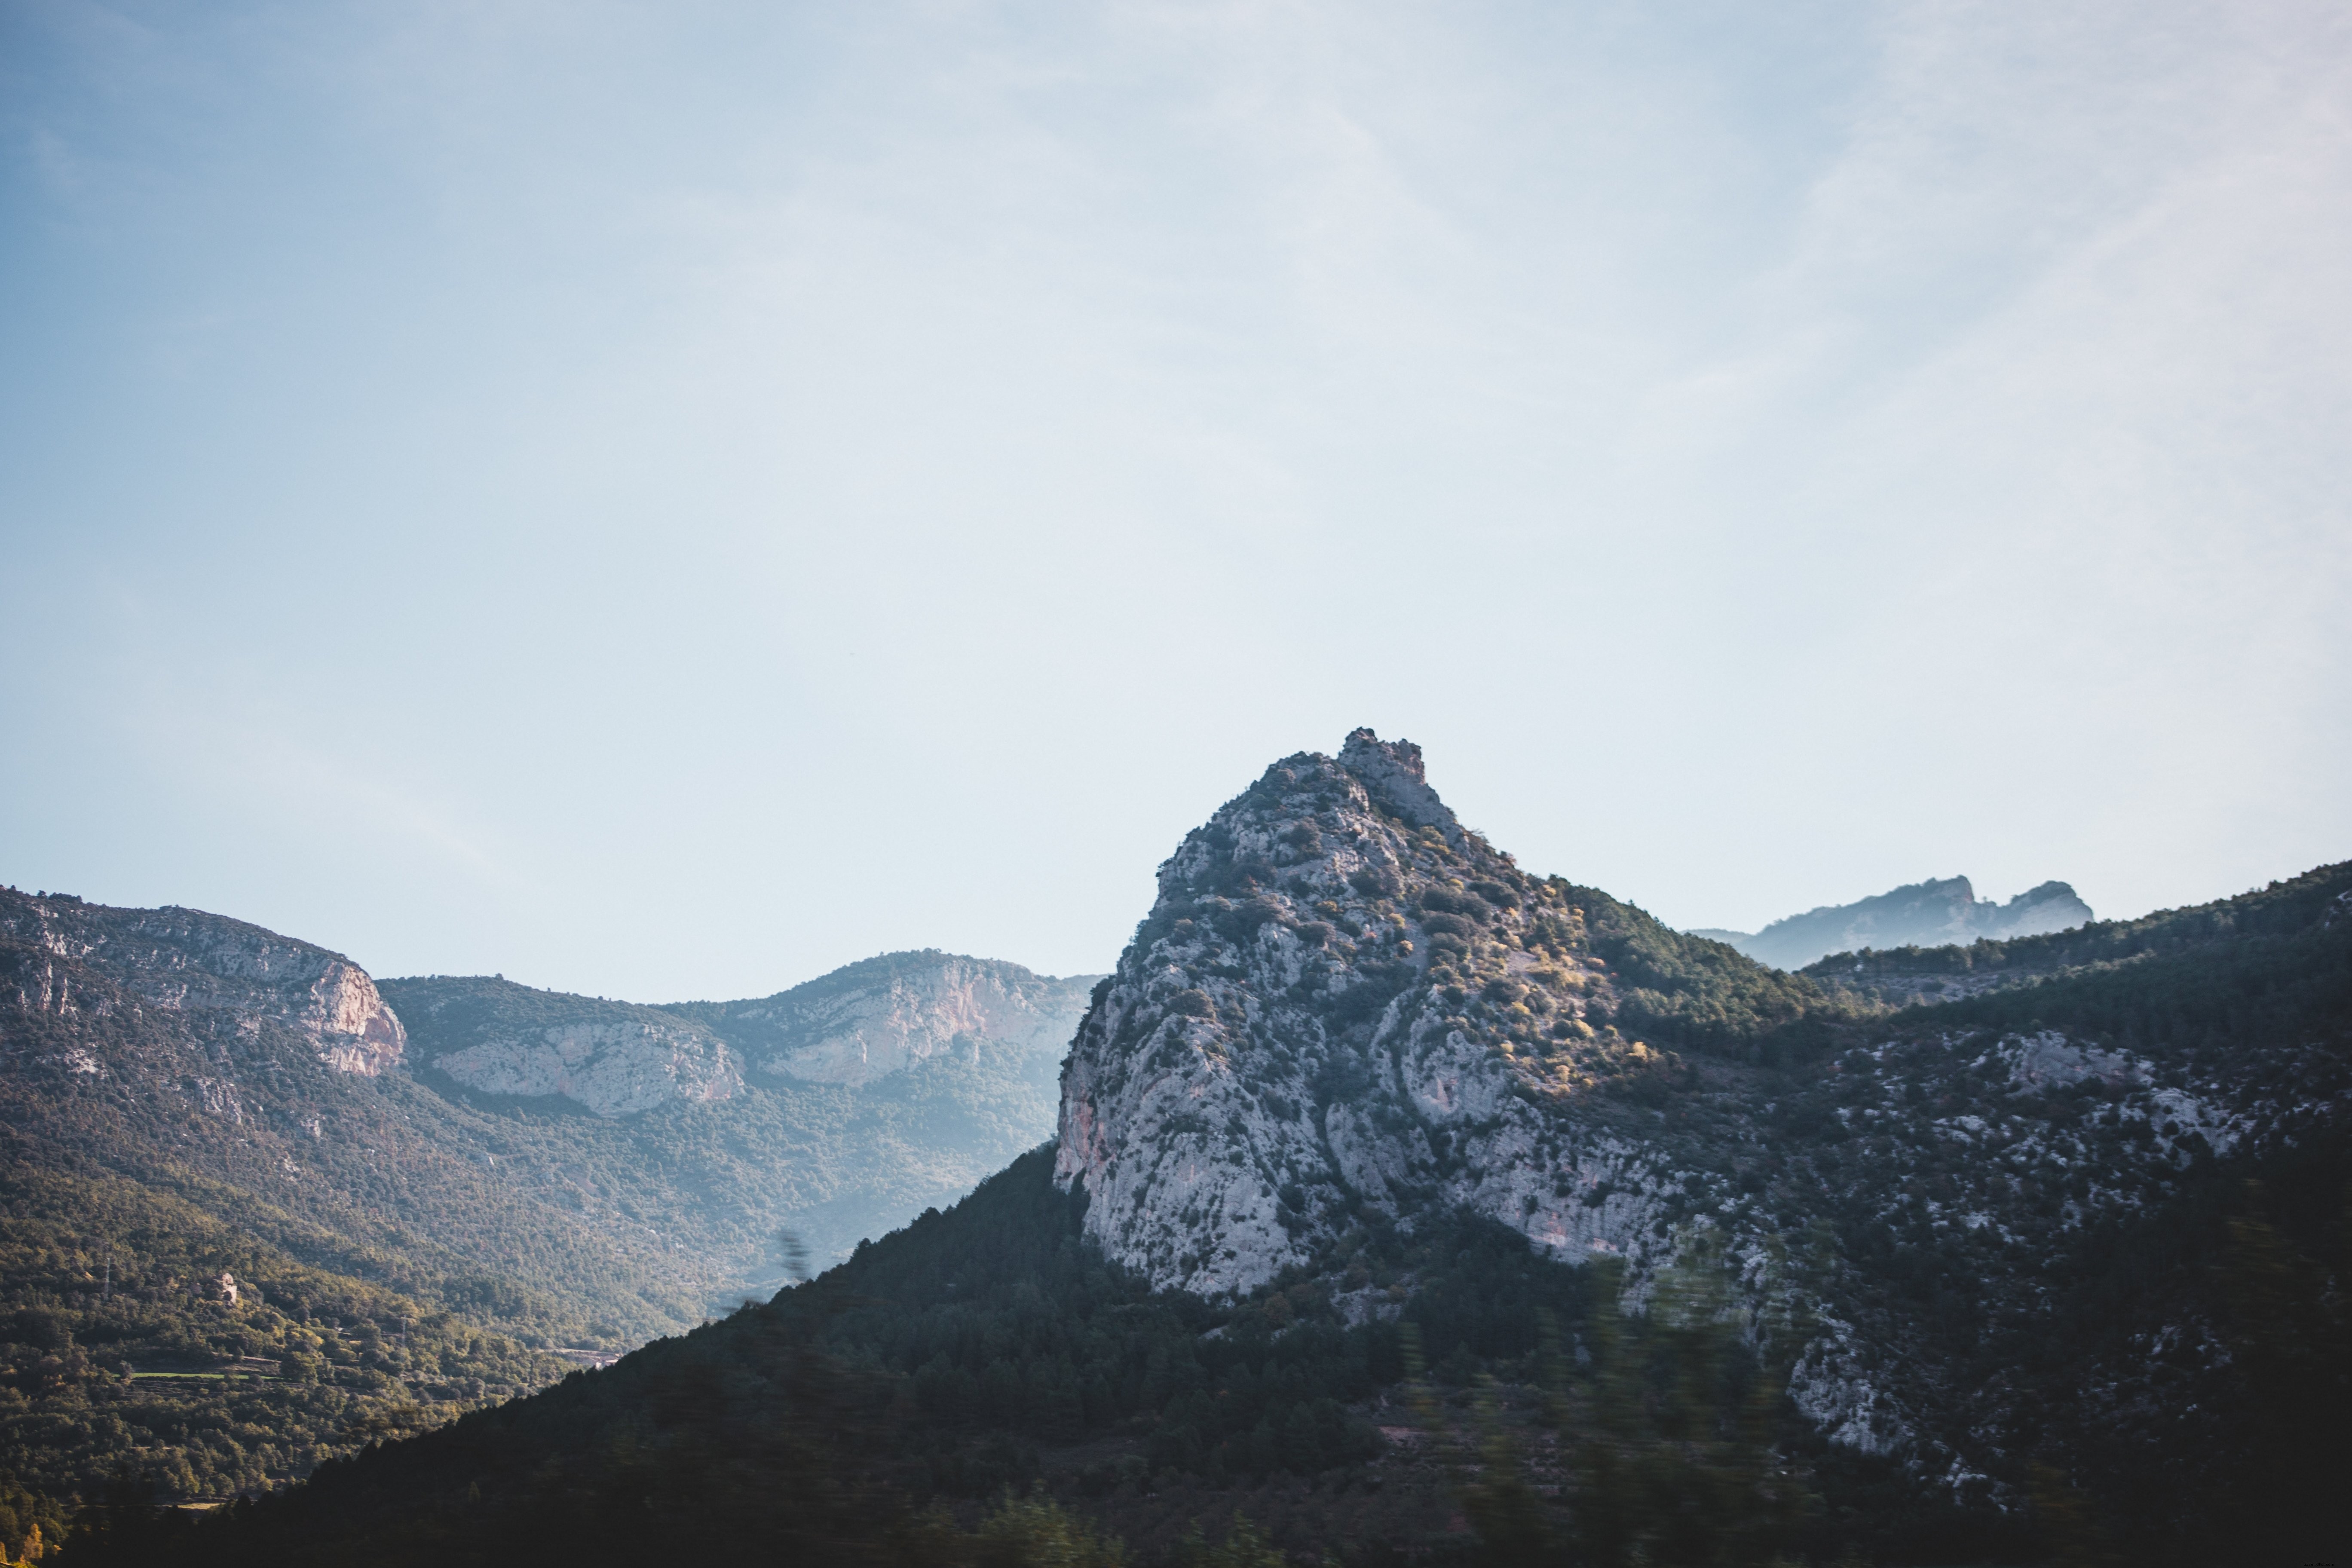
188	961
838	1108
613	1058
853	1028
1341	998
612	1067
900	1010
269	1080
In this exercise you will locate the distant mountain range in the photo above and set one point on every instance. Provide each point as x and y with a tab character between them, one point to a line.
1934	913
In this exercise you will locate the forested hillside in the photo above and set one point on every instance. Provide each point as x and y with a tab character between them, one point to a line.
251	1104
136	1329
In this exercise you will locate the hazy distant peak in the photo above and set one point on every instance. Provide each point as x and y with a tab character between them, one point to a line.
1939	911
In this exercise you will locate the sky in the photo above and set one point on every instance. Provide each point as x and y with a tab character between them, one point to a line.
661	501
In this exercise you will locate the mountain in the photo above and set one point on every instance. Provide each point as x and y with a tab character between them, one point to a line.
542	1176
838	1108
1933	913
1405	1203
1344	1002
1344	1006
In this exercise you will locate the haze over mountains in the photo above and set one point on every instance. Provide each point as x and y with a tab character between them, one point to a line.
1363	1096
1934	913
665	1144
1364	1103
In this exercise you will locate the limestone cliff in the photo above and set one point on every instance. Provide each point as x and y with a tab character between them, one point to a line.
897	1012
631	1163
612	1068
187	960
1341	998
838	1108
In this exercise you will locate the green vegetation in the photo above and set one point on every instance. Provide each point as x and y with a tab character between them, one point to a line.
716	1179
985	1353
1693	994
2040	1216
30	1523
119	1347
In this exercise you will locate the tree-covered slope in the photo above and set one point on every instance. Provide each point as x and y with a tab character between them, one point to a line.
271	1090
197	1067
870	1415
136	1329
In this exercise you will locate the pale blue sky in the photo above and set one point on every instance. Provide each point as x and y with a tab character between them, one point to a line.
665	500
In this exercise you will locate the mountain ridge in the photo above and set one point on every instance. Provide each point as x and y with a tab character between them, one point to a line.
569	1172
1935	913
2047	1271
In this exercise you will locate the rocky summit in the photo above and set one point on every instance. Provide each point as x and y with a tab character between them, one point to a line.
1342	997
187	962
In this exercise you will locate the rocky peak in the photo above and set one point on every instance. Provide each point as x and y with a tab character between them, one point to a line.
1346	1014
1343	1002
1393	775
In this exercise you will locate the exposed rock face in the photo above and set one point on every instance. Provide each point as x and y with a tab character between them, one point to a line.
859	1025
890	1014
1934	913
154	1044
1341	998
190	961
839	1109
613	1068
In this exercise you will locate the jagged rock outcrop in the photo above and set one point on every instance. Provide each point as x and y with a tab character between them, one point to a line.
1342	998
187	960
1934	913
